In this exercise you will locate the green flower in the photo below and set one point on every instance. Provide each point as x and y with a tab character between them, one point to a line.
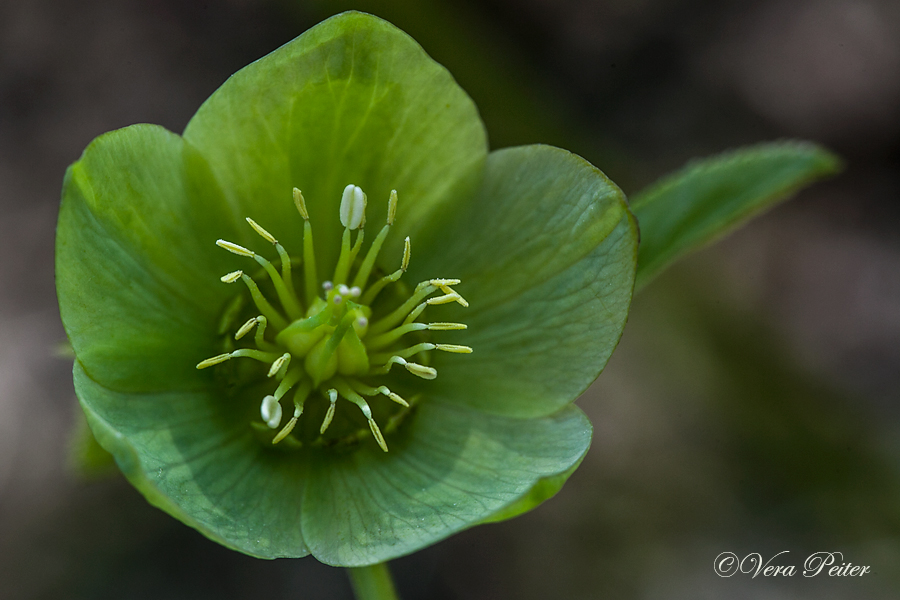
267	373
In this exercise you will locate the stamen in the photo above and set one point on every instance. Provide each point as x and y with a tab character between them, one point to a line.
260	355
270	411
231	277
220	358
299	400
404	264
309	256
343	290
421	370
353	207
281	361
447	326
414	368
245	328
445	299
239	250
392	207
450	291
347	392
371	391
355	292
260	338
329	415
327	286
453	348
262	232
300	203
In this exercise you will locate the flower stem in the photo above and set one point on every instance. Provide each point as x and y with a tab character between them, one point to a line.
373	582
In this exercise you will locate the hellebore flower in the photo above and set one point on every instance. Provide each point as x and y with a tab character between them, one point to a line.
267	373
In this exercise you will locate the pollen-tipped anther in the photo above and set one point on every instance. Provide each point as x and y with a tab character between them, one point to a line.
454	348
404	264
231	277
246	328
392	208
300	203
220	358
280	362
231	247
262	232
329	415
353	207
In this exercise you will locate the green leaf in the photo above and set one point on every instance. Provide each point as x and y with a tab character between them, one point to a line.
136	260
450	469
352	100
711	197
193	455
547	266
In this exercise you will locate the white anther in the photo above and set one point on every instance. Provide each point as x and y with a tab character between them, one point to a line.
454	348
213	361
231	277
337	299
404	264
234	248
245	328
265	234
327	286
355	291
343	290
446	326
300	203
353	207
362	322
279	363
392	208
443	282
270	411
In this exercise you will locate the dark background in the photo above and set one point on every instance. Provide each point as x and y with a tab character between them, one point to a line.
752	405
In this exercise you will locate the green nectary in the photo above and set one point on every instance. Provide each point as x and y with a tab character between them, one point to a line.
331	347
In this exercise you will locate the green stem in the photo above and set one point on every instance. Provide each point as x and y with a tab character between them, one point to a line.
373	582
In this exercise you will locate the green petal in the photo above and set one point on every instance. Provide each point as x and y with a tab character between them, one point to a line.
447	470
546	254
205	469
542	491
352	100
708	198
136	260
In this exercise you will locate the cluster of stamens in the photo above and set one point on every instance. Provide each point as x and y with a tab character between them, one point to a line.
326	342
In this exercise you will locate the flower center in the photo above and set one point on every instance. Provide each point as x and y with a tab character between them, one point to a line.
328	345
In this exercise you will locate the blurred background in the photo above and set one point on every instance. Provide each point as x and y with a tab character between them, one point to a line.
752	406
